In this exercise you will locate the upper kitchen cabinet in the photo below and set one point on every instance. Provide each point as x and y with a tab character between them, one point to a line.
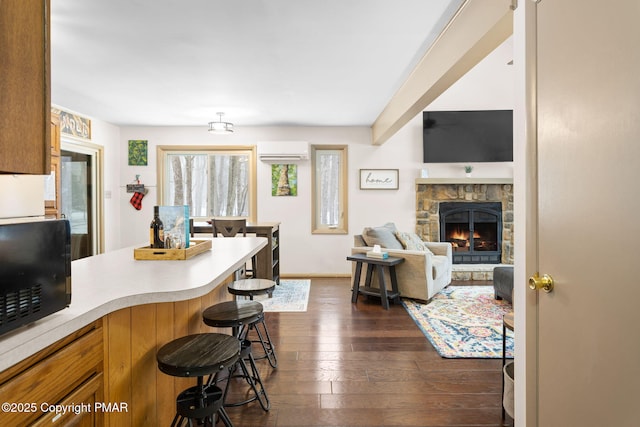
25	87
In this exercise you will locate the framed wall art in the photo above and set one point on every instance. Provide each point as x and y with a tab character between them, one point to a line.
378	179
284	180
137	152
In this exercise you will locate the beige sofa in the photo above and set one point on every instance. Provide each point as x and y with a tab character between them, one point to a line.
422	274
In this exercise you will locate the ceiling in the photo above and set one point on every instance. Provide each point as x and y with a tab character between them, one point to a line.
261	62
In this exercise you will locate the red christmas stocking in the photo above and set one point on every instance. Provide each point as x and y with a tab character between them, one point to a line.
136	200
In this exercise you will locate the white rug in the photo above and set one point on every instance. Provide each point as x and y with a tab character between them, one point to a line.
289	295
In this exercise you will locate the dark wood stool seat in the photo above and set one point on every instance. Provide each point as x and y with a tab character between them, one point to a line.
199	355
233	314
251	287
243	316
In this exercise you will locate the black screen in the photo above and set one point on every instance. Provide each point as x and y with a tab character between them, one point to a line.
467	136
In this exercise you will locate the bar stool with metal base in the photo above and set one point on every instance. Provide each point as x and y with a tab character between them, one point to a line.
198	356
251	287
241	316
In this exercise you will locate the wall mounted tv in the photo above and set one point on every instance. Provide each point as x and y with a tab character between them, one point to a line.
467	136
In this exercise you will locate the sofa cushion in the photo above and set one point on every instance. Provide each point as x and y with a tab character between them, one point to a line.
358	241
383	236
411	241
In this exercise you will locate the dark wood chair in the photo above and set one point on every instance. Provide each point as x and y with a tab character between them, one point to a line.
229	227
232	228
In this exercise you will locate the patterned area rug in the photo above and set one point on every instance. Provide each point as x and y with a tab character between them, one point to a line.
463	322
289	295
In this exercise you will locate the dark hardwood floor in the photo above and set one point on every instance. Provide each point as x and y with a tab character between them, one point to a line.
344	364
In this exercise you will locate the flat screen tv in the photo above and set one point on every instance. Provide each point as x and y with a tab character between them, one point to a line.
467	136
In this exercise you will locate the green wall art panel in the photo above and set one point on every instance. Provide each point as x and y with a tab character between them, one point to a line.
137	152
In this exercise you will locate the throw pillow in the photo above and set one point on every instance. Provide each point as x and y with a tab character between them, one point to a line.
411	241
383	236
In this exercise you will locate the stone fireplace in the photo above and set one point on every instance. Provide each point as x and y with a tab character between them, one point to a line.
474	230
434	194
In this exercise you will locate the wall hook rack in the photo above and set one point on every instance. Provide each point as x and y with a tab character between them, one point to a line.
136	187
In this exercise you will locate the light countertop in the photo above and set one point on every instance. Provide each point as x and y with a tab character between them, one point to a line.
108	282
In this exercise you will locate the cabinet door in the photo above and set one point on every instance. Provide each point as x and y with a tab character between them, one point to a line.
85	412
53	374
25	102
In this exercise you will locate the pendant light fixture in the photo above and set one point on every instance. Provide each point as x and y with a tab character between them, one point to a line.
220	126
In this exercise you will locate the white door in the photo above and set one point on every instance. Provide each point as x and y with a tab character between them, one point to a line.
588	188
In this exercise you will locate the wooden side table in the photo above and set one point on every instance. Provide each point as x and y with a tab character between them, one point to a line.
379	265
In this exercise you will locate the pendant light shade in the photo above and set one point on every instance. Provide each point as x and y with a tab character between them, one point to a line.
220	126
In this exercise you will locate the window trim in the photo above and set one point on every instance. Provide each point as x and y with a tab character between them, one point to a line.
343	226
163	150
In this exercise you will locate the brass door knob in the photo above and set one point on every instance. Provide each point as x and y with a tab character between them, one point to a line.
545	283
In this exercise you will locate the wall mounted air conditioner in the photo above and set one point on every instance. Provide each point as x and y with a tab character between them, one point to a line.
283	151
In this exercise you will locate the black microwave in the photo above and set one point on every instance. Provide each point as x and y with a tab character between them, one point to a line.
35	271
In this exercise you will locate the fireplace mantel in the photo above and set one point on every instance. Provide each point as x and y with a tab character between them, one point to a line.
464	180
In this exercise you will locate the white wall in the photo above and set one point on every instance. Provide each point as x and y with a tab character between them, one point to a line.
108	136
301	252
487	86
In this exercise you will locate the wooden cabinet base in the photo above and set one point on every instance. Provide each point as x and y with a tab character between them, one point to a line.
48	378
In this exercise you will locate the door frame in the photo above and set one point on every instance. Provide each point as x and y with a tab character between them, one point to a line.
525	213
97	182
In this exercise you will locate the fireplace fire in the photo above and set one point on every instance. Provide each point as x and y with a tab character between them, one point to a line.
474	230
431	193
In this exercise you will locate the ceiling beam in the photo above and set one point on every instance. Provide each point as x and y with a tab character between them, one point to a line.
476	30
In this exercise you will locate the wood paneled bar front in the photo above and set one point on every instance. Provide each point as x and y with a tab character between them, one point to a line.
96	358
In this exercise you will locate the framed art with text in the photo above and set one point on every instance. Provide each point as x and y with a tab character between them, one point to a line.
378	179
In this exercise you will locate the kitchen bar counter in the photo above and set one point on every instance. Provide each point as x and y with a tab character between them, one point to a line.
105	283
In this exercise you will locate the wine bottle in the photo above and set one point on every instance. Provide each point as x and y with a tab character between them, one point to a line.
156	230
